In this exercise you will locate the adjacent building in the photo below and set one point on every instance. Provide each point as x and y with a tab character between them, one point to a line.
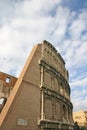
7	83
80	117
40	98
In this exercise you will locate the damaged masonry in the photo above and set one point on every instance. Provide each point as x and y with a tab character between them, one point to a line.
40	98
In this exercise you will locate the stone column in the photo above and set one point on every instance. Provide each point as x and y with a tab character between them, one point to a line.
42	75
42	107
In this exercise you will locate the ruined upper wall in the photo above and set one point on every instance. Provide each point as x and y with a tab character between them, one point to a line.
39	87
54	59
7	83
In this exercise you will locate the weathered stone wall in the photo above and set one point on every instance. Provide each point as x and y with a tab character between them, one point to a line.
40	99
7	83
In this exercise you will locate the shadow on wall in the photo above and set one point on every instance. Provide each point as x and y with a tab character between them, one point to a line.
84	128
77	127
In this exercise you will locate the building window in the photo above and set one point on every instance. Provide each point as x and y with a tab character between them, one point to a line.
52	83
86	118
7	80
61	88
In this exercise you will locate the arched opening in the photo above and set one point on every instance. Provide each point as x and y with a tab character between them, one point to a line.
64	113
2	102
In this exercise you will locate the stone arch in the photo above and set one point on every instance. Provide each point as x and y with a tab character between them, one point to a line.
62	88
2	102
57	111
65	113
48	108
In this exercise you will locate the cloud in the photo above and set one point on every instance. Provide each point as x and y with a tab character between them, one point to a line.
77	28
25	28
80	104
79	83
24	23
79	98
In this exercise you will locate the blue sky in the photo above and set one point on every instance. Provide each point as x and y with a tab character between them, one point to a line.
24	23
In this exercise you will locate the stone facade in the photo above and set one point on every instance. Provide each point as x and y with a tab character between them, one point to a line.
7	83
40	99
80	117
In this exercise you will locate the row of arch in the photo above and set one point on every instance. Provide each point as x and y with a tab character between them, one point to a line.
57	110
54	59
54	83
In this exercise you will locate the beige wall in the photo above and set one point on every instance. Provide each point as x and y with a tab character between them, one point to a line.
24	108
7	83
36	101
24	101
80	117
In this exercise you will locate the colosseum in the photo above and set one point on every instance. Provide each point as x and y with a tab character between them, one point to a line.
40	98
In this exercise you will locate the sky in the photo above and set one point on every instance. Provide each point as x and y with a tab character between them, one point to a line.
24	23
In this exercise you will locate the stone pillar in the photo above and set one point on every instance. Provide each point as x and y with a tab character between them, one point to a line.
42	75
42	107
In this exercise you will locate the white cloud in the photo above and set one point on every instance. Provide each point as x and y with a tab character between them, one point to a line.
79	100
77	27
80	104
79	83
26	23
